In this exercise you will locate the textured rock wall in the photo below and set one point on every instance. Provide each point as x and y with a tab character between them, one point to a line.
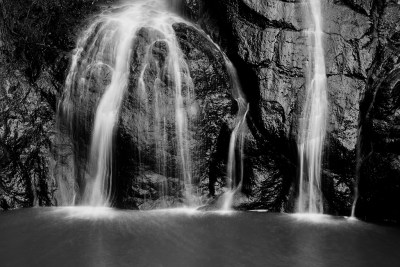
379	169
268	42
36	38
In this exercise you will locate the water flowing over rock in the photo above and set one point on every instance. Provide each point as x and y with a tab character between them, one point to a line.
132	71
267	42
235	164
313	122
107	45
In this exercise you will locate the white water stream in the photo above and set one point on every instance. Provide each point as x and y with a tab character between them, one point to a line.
108	41
313	124
107	46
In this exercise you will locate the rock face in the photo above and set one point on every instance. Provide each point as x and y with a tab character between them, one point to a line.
268	41
379	180
26	120
36	38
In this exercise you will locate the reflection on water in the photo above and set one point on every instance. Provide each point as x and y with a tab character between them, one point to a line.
82	236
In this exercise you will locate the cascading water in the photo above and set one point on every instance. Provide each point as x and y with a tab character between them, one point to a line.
108	42
236	142
313	125
106	53
357	180
235	176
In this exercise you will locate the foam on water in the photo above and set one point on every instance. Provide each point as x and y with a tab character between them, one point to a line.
314	218
87	212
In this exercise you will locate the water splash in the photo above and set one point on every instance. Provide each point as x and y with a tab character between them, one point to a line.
313	126
87	212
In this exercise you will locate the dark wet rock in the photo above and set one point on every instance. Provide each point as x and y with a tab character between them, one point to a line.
267	177
269	44
27	122
193	8
379	183
36	38
363	6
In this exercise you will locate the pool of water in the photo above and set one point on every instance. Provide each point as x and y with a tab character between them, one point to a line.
82	236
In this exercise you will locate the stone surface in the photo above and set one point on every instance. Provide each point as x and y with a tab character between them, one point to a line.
36	39
269	41
27	121
379	183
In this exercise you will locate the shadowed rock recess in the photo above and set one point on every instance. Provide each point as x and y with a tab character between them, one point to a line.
268	43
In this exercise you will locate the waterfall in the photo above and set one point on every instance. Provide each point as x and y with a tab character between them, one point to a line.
107	46
234	168
138	37
236	142
313	125
359	160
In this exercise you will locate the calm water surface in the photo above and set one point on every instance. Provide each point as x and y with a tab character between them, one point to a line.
108	237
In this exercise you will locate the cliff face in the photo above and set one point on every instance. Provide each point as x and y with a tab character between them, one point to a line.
268	43
36	38
379	166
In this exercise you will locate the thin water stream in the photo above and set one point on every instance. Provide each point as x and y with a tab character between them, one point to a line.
313	124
